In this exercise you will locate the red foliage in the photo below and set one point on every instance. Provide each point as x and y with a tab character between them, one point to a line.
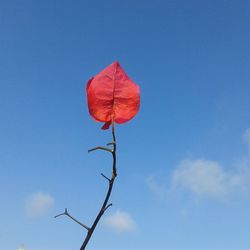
112	96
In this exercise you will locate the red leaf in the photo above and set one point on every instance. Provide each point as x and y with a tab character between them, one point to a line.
112	96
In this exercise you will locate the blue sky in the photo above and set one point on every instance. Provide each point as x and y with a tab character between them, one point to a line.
183	162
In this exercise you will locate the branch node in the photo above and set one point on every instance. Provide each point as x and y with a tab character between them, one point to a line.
72	218
64	213
109	205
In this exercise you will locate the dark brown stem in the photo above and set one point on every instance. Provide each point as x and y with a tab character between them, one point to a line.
105	205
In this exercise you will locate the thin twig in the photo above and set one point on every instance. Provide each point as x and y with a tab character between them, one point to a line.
110	143
101	148
105	177
71	217
59	215
109	205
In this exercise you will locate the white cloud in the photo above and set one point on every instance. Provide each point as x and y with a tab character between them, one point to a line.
38	204
205	178
120	221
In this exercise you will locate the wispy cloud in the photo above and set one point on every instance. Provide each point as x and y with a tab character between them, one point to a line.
246	137
156	187
120	221
38	204
206	178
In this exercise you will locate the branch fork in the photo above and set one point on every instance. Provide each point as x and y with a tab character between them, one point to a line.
71	217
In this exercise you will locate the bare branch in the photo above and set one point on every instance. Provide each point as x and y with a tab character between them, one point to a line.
111	182
101	148
105	177
59	215
111	143
105	204
71	217
64	213
109	205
